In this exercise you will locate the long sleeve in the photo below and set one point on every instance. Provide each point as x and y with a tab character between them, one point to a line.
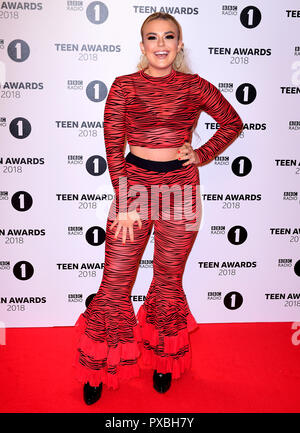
216	105
114	137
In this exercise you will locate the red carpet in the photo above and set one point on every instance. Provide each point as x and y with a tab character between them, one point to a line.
248	367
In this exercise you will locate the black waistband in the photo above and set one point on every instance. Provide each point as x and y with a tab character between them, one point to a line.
159	166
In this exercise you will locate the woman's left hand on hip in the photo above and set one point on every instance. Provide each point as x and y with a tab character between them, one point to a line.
186	152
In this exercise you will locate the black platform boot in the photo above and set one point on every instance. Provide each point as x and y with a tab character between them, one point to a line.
161	381
91	394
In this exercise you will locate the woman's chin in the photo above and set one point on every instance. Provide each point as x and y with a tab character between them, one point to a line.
161	64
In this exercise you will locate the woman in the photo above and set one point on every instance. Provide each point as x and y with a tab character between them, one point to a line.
156	109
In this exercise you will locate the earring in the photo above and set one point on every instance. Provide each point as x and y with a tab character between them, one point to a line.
179	59
143	61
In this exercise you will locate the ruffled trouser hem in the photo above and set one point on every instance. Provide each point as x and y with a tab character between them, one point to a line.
121	362
174	355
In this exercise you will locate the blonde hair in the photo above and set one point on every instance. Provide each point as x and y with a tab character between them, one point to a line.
179	63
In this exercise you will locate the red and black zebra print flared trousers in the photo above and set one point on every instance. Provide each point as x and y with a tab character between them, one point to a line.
111	336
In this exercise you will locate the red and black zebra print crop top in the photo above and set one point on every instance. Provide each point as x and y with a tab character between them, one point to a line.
160	112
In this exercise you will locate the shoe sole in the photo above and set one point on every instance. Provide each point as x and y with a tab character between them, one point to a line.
161	390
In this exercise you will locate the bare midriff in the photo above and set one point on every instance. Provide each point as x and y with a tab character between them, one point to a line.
165	154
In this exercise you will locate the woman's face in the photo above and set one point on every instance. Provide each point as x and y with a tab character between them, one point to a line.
160	36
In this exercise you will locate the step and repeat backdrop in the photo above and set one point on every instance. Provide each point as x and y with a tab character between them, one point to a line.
58	61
